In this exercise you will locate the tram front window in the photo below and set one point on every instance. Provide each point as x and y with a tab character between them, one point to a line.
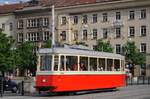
45	62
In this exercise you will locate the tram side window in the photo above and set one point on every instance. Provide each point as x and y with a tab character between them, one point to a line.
93	64
71	63
101	66
46	62
56	61
83	64
62	64
109	64
117	65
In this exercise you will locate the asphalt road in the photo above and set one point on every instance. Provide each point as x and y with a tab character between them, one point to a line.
129	92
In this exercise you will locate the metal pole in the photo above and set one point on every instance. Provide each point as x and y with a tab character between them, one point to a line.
53	26
22	88
1	86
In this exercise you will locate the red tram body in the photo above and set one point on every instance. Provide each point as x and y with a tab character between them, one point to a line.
61	79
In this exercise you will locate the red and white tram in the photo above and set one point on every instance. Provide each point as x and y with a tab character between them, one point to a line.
66	69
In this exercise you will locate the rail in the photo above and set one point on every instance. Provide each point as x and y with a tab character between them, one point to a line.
140	80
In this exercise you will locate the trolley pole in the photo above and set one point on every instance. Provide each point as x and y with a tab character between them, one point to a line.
53	26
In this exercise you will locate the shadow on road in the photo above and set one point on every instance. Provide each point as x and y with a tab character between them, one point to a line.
74	93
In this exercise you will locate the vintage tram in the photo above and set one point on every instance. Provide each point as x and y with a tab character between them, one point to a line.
70	70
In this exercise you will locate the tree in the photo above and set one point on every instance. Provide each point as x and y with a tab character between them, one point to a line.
6	53
27	57
48	44
103	46
133	55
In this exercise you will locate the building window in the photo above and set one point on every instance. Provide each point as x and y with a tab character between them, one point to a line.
131	15
85	19
131	31
118	32
143	14
63	35
20	37
105	19
20	24
75	19
45	22
33	23
84	34
94	33
75	35
46	35
94	18
63	20
118	15
3	26
33	36
143	30
143	48
10	26
105	33
118	49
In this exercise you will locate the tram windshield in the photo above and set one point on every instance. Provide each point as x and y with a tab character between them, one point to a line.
45	62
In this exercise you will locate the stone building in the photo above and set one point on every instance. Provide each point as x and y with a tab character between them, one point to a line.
7	18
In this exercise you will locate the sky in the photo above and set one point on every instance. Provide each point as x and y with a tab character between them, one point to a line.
10	1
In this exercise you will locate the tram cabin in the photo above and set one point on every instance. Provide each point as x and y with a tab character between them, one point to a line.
66	69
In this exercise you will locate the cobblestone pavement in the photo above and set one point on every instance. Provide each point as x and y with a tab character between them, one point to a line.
129	92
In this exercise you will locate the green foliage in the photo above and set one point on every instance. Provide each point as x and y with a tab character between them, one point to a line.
103	46
6	52
48	44
22	57
27	58
132	54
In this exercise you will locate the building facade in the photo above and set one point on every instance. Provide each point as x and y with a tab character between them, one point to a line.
116	22
7	18
33	24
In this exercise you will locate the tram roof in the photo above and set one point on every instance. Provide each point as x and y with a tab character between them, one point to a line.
81	52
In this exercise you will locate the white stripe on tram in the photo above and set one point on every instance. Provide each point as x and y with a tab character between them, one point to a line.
79	73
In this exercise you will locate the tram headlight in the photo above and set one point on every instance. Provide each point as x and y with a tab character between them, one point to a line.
44	80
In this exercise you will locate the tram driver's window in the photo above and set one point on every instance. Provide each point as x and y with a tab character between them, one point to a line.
109	64
45	63
117	65
93	64
71	63
83	64
101	66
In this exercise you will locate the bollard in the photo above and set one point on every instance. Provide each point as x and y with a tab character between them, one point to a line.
143	80
131	80
137	80
148	80
22	88
126	81
1	86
